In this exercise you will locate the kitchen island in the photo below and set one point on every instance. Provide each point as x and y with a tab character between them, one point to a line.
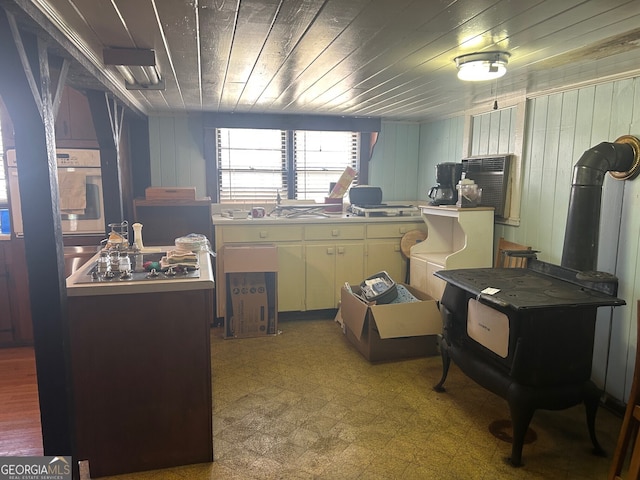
141	370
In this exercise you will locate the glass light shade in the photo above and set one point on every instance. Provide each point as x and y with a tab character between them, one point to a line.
477	67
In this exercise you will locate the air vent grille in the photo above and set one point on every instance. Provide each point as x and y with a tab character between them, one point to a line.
492	175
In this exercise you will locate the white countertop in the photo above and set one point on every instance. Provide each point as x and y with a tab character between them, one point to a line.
309	219
127	287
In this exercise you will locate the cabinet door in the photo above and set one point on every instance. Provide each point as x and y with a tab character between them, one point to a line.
418	273
349	267
20	299
74	120
291	285
6	324
320	276
435	285
387	256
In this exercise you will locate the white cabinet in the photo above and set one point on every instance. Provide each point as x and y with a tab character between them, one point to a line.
317	256
383	249
291	269
288	239
456	238
334	254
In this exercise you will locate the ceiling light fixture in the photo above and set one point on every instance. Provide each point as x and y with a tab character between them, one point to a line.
137	66
477	67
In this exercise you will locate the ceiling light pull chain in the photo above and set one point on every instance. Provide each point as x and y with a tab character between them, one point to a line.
495	101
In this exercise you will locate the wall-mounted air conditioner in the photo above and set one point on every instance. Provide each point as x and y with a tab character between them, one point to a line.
491	173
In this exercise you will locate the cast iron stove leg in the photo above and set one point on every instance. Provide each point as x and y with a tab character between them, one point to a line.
446	362
591	402
521	414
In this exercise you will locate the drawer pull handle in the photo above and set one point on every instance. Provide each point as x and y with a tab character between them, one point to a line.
330	251
340	250
335	232
263	234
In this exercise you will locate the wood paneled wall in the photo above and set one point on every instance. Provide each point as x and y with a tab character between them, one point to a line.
439	142
395	161
177	152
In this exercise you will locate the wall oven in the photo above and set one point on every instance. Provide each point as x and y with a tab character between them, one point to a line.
80	190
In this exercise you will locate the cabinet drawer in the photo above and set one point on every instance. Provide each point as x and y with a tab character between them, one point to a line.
393	230
334	232
280	233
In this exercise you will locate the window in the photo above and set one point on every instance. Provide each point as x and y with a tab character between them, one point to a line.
251	164
319	159
255	165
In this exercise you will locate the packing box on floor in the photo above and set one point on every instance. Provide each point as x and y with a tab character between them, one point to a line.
391	331
250	273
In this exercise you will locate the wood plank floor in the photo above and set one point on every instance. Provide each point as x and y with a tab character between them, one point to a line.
20	432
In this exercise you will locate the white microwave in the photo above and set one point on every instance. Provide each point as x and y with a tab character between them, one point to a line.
80	190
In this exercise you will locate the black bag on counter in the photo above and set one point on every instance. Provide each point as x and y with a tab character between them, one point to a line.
379	288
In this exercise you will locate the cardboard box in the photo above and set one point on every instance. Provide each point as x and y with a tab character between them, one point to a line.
249	316
170	193
250	257
250	273
392	331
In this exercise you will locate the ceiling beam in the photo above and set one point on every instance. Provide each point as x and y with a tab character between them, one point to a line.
20	8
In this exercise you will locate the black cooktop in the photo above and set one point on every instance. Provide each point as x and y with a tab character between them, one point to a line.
523	288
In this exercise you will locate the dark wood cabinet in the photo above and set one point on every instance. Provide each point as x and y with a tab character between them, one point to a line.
6	317
74	123
165	220
141	369
16	327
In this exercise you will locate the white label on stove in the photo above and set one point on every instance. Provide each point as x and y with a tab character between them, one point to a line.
490	291
488	327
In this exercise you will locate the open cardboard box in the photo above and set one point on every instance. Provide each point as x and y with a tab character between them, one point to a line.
392	331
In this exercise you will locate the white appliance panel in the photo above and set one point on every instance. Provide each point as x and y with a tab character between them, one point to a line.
81	195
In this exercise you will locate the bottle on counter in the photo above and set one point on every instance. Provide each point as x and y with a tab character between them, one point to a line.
102	264
137	236
114	260
124	263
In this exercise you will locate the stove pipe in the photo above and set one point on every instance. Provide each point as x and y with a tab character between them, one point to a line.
580	249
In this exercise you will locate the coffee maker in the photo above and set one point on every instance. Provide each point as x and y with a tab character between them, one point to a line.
448	175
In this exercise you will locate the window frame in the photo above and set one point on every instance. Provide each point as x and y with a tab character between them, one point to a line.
367	127
290	164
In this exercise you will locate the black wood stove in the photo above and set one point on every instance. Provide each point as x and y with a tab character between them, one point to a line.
527	334
531	342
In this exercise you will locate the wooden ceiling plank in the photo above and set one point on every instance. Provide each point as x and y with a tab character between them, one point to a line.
381	87
355	57
293	20
439	53
140	21
360	31
217	26
103	21
334	18
180	29
253	26
382	56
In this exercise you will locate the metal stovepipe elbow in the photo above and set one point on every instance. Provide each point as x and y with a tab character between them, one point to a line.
621	159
